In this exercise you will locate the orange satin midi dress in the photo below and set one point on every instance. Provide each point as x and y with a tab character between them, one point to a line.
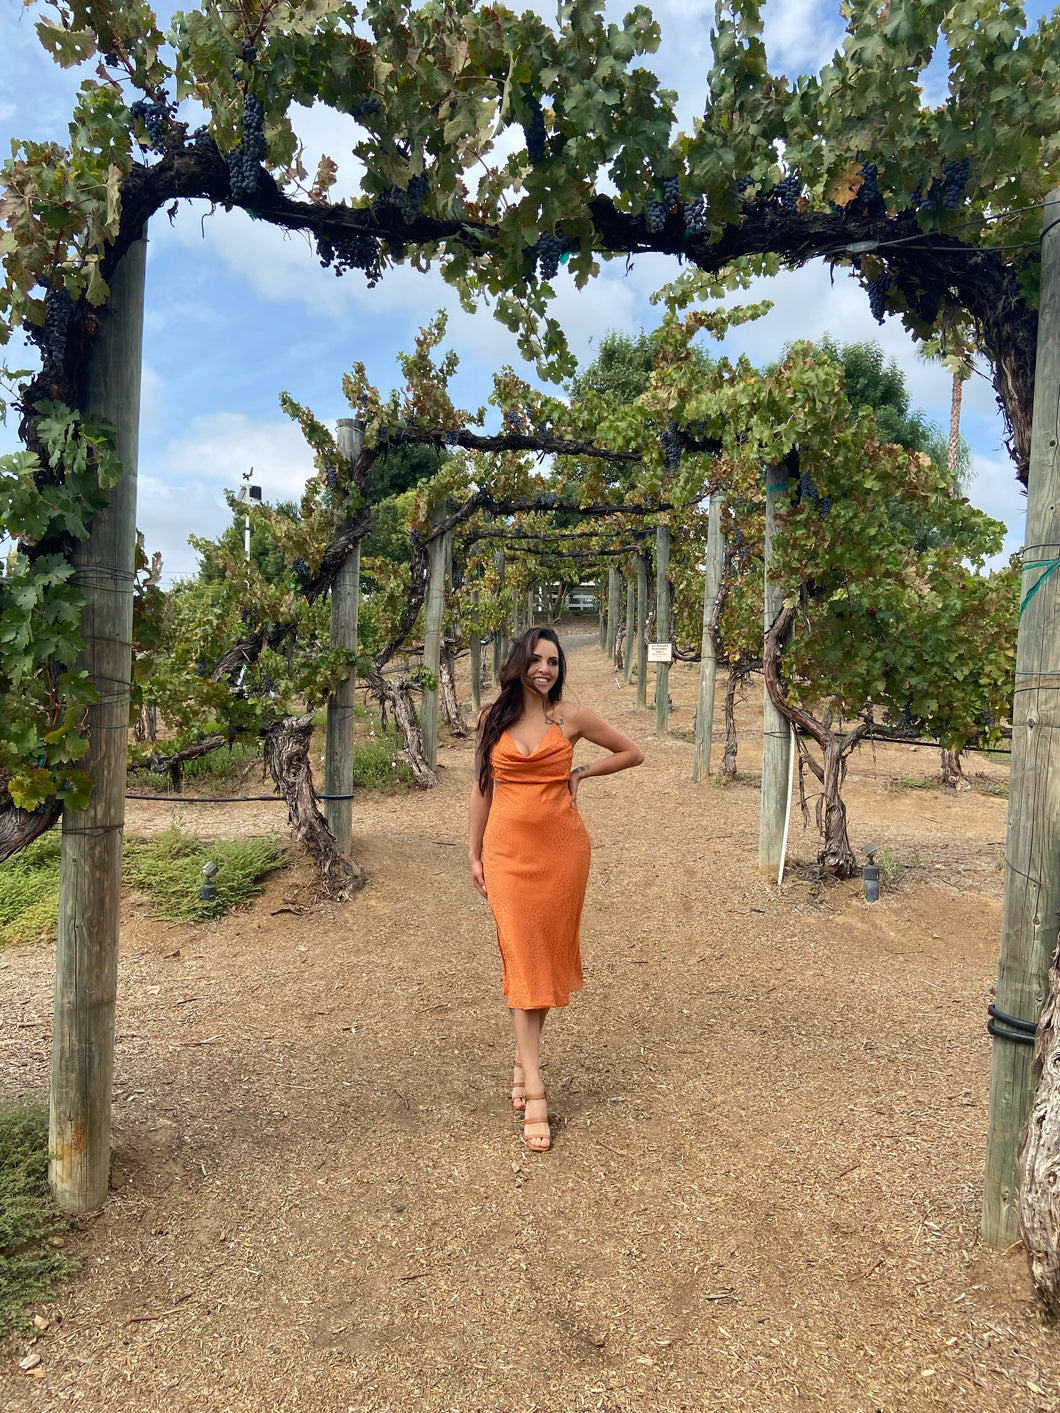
535	859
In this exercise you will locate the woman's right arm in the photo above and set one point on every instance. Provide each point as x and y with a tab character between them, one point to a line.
478	813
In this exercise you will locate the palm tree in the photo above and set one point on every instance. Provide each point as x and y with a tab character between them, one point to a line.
953	345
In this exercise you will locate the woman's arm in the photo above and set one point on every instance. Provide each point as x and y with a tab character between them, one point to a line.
624	753
478	813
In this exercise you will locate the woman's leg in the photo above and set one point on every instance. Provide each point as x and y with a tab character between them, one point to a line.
528	1026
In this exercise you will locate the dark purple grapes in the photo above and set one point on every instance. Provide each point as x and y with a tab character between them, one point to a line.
357	251
245	161
671	192
549	249
697	216
870	202
955	183
879	288
535	133
50	337
655	217
787	192
670	441
250	53
155	116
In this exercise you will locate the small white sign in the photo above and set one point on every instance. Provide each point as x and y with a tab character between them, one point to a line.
660	652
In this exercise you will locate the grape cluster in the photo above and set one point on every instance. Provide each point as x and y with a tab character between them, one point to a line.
200	668
452	436
933	198
548	249
670	441
250	53
244	162
743	184
202	140
878	291
787	192
536	137
697	216
351	252
155	118
513	420
808	492
50	337
410	199
332	477
671	192
366	108
301	568
955	182
928	303
655	217
870	202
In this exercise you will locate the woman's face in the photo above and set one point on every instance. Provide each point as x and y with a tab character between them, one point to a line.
543	667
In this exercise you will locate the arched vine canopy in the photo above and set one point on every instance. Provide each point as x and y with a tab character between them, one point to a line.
495	146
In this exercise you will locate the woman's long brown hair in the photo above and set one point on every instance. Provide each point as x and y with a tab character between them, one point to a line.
508	707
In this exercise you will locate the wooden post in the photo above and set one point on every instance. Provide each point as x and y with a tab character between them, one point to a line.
631	636
499	652
601	604
613	586
530	608
432	637
86	964
642	632
345	603
776	735
1032	853
708	666
476	656
662	628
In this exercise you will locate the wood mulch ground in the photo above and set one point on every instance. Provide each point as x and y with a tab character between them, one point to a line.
768	1108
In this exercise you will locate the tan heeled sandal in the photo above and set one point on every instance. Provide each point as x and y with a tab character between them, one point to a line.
537	1141
518	1088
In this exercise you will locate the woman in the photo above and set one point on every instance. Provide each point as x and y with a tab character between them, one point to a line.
528	848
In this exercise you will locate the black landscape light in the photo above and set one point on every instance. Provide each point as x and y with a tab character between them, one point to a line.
871	874
208	892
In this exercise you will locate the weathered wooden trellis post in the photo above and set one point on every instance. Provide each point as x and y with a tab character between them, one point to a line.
631	637
662	628
708	665
432	635
776	733
601	603
1031	911
345	603
86	964
499	650
642	632
613	585
476	656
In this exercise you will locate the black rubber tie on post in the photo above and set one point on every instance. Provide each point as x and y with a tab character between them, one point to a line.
1022	1032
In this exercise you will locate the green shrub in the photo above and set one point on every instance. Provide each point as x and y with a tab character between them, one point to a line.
168	870
31	1226
29	891
379	765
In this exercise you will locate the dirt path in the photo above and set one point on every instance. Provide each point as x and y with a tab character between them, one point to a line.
768	1106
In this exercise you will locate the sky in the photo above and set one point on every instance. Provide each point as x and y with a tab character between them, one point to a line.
237	311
